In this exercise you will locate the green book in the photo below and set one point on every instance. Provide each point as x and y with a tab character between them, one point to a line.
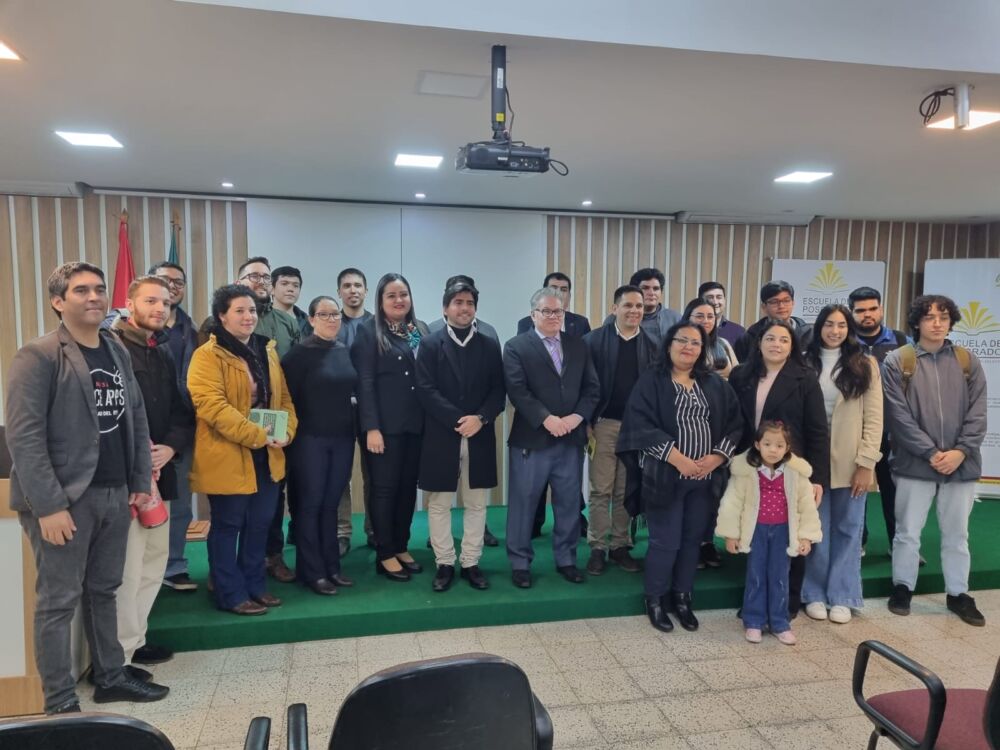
274	422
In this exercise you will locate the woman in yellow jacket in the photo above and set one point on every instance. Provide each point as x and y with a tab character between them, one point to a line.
235	462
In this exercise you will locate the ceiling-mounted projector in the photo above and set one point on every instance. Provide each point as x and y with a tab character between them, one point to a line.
501	154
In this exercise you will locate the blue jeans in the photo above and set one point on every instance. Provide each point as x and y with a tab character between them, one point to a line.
321	468
180	519
237	538
765	598
833	568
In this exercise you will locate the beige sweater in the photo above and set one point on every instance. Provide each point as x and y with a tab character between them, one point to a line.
740	503
856	432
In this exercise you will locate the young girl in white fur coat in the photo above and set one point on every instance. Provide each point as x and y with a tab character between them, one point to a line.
768	511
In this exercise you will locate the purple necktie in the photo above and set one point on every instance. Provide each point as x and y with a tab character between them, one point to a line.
552	344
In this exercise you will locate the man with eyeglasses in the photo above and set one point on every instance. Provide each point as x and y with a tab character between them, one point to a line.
552	384
182	340
777	299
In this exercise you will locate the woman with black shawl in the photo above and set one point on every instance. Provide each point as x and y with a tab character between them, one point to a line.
681	424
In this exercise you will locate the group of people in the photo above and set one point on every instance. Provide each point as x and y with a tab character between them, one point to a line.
769	437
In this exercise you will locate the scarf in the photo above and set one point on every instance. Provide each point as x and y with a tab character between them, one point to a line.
407	331
254	353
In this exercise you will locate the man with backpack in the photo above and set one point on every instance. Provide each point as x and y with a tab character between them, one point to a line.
935	395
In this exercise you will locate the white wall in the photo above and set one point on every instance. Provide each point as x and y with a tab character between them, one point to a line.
504	251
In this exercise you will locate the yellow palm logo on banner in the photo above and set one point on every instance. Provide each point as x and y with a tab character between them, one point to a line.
976	319
828	280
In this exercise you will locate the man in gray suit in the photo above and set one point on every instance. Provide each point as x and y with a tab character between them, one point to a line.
78	436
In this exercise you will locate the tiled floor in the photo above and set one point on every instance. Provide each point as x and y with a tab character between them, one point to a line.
609	683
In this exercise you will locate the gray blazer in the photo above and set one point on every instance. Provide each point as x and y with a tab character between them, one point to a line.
52	427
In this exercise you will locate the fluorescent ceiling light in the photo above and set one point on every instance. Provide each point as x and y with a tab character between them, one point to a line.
418	160
977	119
587	204
803	177
419	196
103	140
227	184
6	53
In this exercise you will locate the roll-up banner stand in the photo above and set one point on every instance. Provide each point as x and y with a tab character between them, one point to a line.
975	287
819	283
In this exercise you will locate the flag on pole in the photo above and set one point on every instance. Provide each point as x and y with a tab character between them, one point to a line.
124	270
172	256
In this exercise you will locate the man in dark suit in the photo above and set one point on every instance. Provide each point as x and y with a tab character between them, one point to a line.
554	389
571	324
77	431
460	385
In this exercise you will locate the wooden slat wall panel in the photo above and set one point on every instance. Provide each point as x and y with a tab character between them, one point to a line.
741	256
75	225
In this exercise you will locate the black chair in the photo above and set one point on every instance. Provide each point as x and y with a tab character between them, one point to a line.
476	701
928	717
100	731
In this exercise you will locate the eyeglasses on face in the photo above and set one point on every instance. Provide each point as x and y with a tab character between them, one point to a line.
687	342
258	278
779	302
547	313
327	315
703	316
174	283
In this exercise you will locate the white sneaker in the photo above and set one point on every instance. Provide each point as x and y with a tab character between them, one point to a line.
753	635
840	614
787	637
816	610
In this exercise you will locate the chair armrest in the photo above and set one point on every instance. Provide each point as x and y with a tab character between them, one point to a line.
259	734
935	688
298	727
543	726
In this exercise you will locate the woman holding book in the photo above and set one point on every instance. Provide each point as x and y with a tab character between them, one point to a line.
235	462
321	379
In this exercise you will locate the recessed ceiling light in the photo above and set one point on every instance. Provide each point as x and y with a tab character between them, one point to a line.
587	203
802	176
6	53
419	196
418	160
977	119
227	185
102	140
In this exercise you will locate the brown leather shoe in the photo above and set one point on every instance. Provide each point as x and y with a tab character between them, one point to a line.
268	600
278	570
249	608
624	560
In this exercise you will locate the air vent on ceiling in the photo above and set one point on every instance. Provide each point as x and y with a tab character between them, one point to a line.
451	84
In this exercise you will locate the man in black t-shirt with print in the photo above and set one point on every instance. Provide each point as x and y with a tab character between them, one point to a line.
79	440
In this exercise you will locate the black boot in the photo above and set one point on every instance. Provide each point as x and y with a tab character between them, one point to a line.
657	614
682	608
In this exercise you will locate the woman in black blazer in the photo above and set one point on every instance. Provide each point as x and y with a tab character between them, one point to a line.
776	384
384	354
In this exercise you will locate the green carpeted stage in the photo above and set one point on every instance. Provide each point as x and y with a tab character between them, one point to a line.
189	622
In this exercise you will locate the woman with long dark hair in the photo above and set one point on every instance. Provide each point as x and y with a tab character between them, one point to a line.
776	384
681	424
852	394
384	354
719	354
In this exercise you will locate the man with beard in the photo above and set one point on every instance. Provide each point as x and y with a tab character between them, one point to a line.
877	341
171	430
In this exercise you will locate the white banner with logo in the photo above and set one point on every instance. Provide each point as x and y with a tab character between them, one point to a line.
975	287
819	283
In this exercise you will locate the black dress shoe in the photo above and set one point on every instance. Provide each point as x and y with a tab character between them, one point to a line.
323	586
521	578
681	606
392	575
152	654
411	566
69	707
339	580
657	614
571	573
443	578
131	690
489	540
475	577
136	673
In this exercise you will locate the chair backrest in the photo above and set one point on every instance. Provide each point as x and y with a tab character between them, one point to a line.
471	700
82	731
991	716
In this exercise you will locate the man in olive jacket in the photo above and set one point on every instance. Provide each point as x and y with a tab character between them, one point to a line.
77	431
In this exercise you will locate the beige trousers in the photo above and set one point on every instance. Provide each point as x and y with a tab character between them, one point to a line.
146	552
606	504
473	518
